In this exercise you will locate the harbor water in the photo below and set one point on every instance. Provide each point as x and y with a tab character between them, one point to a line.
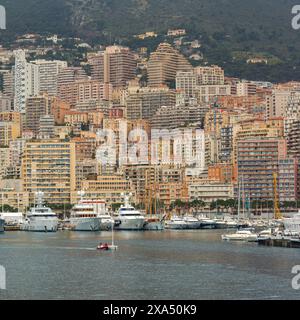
148	265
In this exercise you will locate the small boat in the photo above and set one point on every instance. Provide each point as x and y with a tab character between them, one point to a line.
192	222
244	224
206	223
103	247
260	224
112	246
267	233
240	235
176	223
220	224
231	224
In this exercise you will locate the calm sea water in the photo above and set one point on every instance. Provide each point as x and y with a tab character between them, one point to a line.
148	265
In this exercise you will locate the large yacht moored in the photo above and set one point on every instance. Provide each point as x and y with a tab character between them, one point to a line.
40	218
84	217
128	218
106	221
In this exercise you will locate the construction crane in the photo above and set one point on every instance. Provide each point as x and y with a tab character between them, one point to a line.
277	213
215	108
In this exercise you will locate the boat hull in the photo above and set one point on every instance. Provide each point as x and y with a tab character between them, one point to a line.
2	225
105	226
231	226
154	226
207	225
193	225
176	226
221	225
236	238
41	225
85	224
124	223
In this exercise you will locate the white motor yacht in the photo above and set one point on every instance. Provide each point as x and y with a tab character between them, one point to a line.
128	218
176	223
40	218
206	223
192	222
84	216
240	235
267	233
106	219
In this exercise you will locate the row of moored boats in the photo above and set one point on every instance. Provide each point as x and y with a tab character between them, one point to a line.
91	215
287	228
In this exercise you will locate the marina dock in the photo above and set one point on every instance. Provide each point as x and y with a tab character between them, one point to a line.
284	242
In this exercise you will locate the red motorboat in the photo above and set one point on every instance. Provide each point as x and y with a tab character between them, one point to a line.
103	247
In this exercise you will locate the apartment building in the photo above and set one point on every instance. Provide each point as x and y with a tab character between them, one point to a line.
26	80
163	65
49	166
210	190
85	90
110	188
212	75
48	75
257	162
142	103
210	93
186	83
177	116
115	65
36	107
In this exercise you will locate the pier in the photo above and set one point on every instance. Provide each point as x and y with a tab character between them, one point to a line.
284	242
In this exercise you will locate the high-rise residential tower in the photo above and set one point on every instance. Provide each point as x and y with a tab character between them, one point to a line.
48	75
115	65
26	80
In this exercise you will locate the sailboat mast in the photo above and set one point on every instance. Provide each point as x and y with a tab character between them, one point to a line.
243	190
239	199
112	233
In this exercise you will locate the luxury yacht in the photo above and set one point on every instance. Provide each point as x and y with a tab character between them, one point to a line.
128	218
40	218
106	221
84	216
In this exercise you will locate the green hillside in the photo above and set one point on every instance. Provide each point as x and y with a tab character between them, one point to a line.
224	27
